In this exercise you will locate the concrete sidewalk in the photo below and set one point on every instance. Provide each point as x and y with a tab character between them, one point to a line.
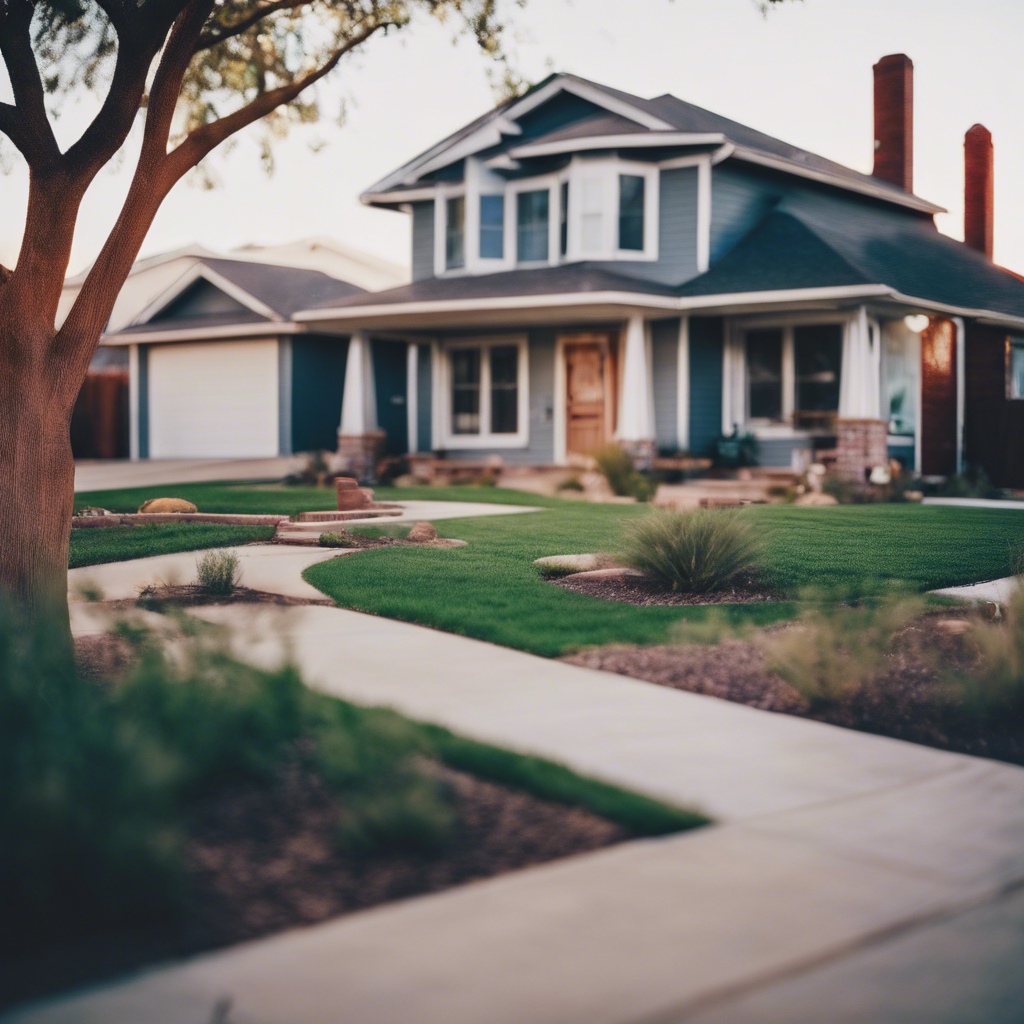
113	474
840	858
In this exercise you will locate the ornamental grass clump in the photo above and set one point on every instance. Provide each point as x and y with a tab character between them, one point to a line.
218	572
696	551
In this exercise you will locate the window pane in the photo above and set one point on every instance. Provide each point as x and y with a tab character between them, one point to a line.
455	234
504	389
591	214
465	390
818	355
631	212
492	227
532	224
564	219
1017	371
764	374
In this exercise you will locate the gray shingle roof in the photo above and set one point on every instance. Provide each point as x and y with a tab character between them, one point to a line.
571	278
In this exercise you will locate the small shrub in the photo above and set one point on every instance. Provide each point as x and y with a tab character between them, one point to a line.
694	551
335	540
572	484
836	650
218	572
622	476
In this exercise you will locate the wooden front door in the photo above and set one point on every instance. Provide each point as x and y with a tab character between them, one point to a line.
938	398
587	380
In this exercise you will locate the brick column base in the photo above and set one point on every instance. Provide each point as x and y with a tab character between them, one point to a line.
362	453
641	452
860	446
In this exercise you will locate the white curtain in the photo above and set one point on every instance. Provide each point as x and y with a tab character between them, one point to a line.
859	379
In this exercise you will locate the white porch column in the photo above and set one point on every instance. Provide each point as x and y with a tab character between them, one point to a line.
683	386
412	367
636	405
133	402
360	441
860	380
359	400
861	434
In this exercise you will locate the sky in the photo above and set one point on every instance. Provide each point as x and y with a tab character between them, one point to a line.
801	73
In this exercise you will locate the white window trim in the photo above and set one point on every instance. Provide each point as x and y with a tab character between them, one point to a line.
551	182
444	193
735	380
443	395
608	170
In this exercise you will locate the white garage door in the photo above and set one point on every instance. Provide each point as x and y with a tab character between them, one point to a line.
213	400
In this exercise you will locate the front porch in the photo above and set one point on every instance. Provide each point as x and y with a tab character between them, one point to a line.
789	387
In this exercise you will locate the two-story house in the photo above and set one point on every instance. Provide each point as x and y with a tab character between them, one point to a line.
589	265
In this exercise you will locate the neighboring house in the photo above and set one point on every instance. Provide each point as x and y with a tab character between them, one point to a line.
202	357
589	265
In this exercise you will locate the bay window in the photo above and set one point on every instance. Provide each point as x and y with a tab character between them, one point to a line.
492	227
455	233
485	393
532	212
631	212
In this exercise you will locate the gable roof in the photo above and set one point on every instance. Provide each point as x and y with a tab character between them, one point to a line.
264	293
664	120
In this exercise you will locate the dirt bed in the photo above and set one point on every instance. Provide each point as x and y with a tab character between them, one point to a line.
907	699
261	858
640	591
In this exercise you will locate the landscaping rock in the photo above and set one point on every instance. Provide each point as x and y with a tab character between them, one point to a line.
167	505
816	498
94	512
351	495
573	563
422	533
614	573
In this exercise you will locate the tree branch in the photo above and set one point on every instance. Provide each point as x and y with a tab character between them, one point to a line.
37	142
202	140
211	38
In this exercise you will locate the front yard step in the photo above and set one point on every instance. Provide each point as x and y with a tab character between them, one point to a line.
379	512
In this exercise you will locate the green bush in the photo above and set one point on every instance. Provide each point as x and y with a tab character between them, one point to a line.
98	781
693	551
622	476
218	572
572	484
335	540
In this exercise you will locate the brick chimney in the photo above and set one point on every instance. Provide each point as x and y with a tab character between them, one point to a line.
978	195
894	120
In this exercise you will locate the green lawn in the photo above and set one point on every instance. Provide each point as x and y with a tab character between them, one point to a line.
492	591
94	545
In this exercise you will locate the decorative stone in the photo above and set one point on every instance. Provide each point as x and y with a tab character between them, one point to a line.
422	533
91	511
167	505
816	498
571	563
621	573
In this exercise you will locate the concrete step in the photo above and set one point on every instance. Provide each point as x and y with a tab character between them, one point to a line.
334	515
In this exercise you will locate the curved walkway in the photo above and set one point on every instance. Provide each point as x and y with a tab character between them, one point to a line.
845	873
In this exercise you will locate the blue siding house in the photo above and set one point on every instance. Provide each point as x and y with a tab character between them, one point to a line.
590	266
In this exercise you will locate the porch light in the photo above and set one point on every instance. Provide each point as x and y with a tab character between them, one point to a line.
916	322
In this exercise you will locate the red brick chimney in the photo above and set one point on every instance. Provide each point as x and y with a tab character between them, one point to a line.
894	120
978	195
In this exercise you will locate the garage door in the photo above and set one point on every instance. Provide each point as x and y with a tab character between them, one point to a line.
213	400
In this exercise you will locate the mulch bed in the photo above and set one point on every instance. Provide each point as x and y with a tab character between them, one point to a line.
181	595
262	858
905	700
640	591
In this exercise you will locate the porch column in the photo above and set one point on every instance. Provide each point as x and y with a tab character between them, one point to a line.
360	441
412	374
861	434
636	405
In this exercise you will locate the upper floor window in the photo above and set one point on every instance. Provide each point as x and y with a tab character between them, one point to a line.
563	219
631	212
1017	368
492	227
455	233
532	212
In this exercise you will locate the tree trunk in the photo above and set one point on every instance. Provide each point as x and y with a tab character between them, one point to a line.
36	484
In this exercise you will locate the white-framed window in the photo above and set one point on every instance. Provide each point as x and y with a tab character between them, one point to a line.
533	226
1016	368
492	226
791	372
455	233
484	392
